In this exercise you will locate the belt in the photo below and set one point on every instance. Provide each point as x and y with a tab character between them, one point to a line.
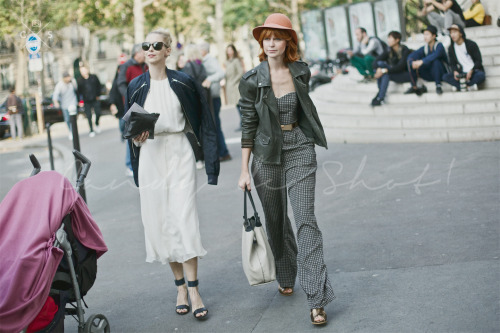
289	127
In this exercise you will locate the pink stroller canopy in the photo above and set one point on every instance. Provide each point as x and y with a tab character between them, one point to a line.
30	215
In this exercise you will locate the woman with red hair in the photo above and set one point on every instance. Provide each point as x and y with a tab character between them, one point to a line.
280	126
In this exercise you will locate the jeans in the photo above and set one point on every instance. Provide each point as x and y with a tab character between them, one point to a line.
443	23
128	163
472	23
478	77
66	118
221	142
383	81
16	120
88	112
363	65
433	71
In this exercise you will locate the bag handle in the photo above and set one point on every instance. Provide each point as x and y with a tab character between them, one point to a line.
254	221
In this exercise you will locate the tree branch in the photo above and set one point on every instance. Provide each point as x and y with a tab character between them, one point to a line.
280	5
147	3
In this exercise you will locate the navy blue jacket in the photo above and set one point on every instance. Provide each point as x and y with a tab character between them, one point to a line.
202	134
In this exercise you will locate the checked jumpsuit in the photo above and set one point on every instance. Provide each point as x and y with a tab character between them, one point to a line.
297	175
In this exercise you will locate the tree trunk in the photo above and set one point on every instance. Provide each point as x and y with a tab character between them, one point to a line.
138	22
21	83
219	30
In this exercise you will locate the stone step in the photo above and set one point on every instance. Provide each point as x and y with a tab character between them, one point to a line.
487	41
493	50
490	60
396	110
481	32
332	93
492	71
355	135
411	122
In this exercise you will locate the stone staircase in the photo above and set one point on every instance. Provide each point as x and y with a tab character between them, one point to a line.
346	115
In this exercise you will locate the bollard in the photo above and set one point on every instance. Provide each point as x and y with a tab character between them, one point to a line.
49	139
73	113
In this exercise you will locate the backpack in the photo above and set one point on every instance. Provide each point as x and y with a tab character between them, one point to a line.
385	47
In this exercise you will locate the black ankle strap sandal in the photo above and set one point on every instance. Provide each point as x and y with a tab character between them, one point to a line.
183	306
193	284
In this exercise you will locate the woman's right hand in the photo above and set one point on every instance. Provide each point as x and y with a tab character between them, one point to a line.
142	137
244	180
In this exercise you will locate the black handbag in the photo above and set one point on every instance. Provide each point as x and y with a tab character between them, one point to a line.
138	120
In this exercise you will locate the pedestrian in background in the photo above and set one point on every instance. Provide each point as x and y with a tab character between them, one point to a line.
89	88
166	178
234	71
474	16
65	97
215	75
131	69
15	110
284	160
449	12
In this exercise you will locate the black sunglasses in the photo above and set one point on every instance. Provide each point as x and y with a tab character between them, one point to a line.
156	45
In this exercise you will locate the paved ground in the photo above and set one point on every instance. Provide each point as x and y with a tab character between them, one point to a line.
411	235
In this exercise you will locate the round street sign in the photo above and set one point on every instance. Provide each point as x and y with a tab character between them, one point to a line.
33	43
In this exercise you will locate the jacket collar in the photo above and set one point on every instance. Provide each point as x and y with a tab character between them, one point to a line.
264	77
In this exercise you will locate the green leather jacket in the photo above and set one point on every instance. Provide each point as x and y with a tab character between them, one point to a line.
261	128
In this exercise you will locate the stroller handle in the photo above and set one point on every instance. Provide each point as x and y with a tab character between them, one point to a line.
85	168
36	165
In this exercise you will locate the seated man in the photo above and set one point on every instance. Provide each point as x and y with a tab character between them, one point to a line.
474	16
465	59
428	63
365	52
391	66
450	13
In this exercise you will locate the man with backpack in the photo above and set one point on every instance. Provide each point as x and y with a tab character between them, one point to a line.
428	62
365	52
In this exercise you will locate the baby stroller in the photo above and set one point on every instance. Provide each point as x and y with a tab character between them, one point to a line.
42	219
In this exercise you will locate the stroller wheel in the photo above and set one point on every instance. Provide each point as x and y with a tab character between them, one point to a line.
97	323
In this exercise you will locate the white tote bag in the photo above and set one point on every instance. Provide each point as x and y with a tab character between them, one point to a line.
257	258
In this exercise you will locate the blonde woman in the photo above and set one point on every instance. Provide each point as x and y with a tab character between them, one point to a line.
167	174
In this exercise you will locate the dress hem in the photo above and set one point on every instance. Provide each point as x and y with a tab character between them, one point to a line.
165	261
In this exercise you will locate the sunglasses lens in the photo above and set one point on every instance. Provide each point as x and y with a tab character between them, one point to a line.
157	46
145	46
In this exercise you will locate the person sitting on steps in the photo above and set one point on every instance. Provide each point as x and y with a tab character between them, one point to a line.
465	59
391	66
365	52
428	63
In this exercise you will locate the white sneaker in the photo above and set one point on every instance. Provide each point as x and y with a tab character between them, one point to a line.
129	172
97	129
92	134
473	88
200	165
453	88
70	137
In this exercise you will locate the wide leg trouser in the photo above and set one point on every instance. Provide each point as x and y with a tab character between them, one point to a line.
297	175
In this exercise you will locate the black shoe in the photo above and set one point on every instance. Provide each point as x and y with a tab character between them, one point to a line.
377	102
225	158
411	90
439	90
423	88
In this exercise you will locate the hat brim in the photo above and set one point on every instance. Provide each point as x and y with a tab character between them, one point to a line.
256	31
454	28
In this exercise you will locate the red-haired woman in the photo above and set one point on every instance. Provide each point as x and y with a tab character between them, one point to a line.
280	126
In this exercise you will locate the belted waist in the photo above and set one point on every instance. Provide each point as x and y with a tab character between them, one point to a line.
289	127
168	133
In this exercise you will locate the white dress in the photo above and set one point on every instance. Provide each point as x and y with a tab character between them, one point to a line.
167	183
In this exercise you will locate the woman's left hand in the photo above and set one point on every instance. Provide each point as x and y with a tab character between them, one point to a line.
142	137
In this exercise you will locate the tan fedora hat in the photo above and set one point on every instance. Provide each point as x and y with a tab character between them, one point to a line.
276	21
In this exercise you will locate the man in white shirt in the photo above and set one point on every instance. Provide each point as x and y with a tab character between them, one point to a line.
65	97
465	60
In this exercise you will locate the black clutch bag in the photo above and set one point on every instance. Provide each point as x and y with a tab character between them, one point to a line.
138	120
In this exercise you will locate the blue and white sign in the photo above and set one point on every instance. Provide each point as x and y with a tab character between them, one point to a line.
35	63
33	43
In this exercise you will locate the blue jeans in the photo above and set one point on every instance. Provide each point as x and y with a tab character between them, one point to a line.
66	118
128	163
433	71
221	142
478	77
383	81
